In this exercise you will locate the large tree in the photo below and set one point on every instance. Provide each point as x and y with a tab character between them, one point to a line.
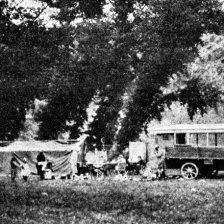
26	54
97	63
141	45
168	37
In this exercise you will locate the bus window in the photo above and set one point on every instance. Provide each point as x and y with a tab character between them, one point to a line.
220	139
181	138
211	139
202	139
216	139
165	140
165	137
198	139
193	140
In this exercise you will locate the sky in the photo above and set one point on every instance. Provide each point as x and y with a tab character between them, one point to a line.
48	12
32	4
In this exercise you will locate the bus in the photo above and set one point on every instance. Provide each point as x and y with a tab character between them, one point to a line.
192	149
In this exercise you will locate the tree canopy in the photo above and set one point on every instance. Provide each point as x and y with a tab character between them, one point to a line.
122	63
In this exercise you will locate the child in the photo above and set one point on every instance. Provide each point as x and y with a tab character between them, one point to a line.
48	170
25	170
149	173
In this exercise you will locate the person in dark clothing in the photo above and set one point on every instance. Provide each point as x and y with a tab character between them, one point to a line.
41	157
140	164
40	162
49	165
14	168
141	161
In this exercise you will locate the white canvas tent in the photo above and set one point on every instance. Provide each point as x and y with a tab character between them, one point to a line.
62	155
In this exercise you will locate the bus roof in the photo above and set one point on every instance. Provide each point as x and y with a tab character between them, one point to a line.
186	128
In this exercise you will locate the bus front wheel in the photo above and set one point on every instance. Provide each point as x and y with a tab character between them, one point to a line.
189	171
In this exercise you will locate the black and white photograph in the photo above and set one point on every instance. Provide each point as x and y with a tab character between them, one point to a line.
111	111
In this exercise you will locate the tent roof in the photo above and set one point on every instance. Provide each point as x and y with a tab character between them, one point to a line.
39	146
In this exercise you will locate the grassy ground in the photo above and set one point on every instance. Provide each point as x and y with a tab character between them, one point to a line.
66	201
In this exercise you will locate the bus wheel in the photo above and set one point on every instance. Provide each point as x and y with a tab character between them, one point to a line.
189	171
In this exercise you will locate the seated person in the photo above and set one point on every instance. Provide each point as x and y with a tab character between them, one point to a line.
121	164
140	164
149	173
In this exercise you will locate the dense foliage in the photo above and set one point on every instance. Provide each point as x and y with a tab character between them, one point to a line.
168	42
26	53
120	61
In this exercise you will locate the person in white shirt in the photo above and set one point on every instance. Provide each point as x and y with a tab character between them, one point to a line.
25	170
121	164
160	156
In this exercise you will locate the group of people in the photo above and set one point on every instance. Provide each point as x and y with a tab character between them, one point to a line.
154	168
42	165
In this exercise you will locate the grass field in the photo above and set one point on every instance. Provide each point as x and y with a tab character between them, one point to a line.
67	201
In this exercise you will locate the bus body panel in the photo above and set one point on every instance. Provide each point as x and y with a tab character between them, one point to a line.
200	144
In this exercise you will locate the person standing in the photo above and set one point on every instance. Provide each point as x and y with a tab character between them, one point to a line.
160	156
25	170
74	162
41	160
14	167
